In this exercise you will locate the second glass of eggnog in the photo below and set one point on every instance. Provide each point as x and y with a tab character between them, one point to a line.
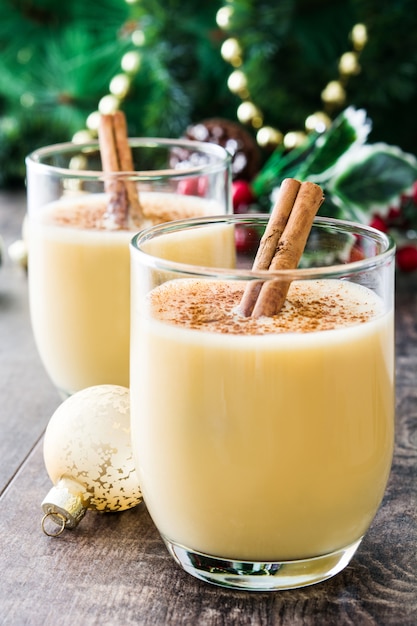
79	271
263	444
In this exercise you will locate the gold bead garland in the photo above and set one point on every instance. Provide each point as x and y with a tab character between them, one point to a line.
333	95
119	86
238	84
232	52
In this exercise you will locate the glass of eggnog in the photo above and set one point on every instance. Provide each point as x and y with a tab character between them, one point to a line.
78	233
263	443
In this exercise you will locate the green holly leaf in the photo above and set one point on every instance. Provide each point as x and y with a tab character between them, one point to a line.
357	179
371	177
350	128
281	164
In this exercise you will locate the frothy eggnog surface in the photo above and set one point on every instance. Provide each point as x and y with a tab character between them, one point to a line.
262	439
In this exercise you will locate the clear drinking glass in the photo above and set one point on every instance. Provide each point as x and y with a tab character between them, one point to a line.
79	270
263	446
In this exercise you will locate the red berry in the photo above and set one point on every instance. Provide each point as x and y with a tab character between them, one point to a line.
246	239
202	185
394	213
193	186
379	223
188	186
395	218
407	258
242	195
356	254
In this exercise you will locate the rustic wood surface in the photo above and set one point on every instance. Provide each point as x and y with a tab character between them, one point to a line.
114	569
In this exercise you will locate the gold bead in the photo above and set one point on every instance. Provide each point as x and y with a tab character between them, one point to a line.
333	93
119	85
349	64
359	36
93	121
78	162
131	62
18	253
269	137
232	52
223	17
82	136
248	113
317	122
293	139
108	104
238	83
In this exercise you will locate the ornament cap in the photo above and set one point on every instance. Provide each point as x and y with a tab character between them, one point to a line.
65	504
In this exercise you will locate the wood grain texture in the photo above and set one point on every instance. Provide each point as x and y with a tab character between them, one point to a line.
114	570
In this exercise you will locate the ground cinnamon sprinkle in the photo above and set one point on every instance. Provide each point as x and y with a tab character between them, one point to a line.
211	306
83	214
88	212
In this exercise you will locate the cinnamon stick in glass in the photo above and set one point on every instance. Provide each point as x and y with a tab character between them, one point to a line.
116	156
282	246
268	244
126	164
290	248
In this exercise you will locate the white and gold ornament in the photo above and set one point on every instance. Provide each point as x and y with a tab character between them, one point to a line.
88	456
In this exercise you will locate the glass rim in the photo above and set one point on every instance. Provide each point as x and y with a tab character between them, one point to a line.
337	270
223	158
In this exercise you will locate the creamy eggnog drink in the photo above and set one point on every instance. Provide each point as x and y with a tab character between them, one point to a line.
79	276
80	284
263	445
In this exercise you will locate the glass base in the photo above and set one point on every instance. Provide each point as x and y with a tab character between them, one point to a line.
262	576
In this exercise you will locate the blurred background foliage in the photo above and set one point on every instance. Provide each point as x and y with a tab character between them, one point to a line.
58	61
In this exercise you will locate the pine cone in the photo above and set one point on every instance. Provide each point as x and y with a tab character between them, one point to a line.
246	156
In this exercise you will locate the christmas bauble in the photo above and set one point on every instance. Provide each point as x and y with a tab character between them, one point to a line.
88	455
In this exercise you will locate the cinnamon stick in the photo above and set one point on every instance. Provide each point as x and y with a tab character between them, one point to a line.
289	249
116	215
268	244
282	245
116	157
126	164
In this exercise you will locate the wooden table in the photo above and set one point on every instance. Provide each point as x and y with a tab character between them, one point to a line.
114	569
